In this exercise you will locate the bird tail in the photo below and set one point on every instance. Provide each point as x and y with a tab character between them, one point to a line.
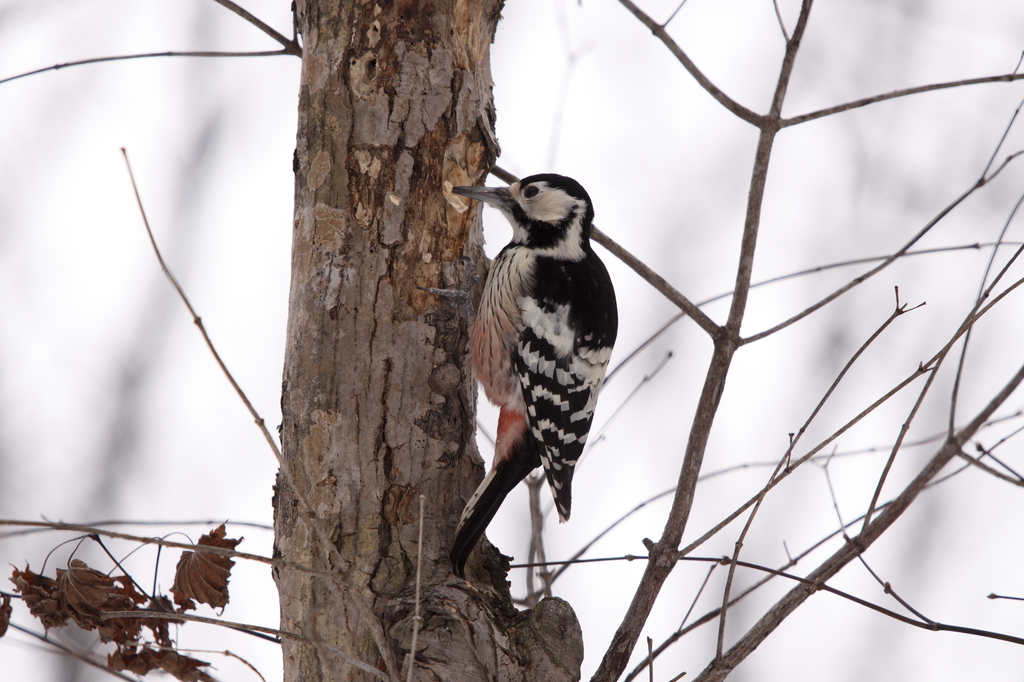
483	505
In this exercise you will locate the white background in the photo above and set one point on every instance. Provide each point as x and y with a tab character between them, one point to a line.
112	408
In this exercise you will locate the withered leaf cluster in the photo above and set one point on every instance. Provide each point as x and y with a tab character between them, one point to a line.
143	659
83	595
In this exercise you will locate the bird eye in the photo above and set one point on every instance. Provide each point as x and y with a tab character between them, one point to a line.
531	192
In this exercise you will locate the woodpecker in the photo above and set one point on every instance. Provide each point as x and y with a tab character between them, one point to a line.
540	343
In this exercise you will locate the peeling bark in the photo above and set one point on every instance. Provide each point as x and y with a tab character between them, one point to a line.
378	398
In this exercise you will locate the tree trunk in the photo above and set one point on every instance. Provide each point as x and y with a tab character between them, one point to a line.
378	400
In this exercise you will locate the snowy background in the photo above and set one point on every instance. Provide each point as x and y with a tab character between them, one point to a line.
111	407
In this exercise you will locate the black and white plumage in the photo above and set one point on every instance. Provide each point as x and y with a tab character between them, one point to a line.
540	343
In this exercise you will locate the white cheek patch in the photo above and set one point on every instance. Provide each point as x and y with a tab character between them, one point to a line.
550	206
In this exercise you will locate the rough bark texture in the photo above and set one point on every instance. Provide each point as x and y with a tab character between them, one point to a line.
378	399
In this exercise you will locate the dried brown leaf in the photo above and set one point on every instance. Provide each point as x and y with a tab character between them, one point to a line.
5	614
202	576
85	594
40	595
141	661
159	626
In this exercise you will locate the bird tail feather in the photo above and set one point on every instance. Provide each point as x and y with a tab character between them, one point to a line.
484	503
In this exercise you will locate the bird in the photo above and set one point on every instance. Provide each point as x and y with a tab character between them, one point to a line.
539	344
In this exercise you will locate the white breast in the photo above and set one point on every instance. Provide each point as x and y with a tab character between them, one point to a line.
495	333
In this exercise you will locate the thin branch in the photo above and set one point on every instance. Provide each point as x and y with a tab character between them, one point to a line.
887	587
245	627
228	654
537	554
290	46
68	651
875	270
417	619
931	365
800	273
146	55
806	457
657	281
125	522
583	550
195	317
726	343
984	178
720	668
647	378
574	559
673	16
782	24
1003	596
811	586
896	448
899	310
856	104
93	530
308	516
982	294
659	31
793	561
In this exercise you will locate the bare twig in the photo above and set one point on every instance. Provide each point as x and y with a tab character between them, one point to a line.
726	343
925	623
658	282
899	310
800	273
93	530
308	516
73	653
984	178
782	24
896	447
537	554
125	522
245	627
793	561
650	658
290	46
988	267
673	15
195	317
659	31
583	550
930	366
983	292
721	667
565	565
231	655
417	619
856	104
872	272
146	55
1003	596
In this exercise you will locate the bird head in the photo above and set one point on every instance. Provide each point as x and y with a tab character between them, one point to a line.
548	212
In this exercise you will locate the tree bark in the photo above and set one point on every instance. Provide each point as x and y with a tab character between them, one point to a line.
378	399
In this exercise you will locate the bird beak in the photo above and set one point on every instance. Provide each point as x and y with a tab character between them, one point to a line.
495	196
